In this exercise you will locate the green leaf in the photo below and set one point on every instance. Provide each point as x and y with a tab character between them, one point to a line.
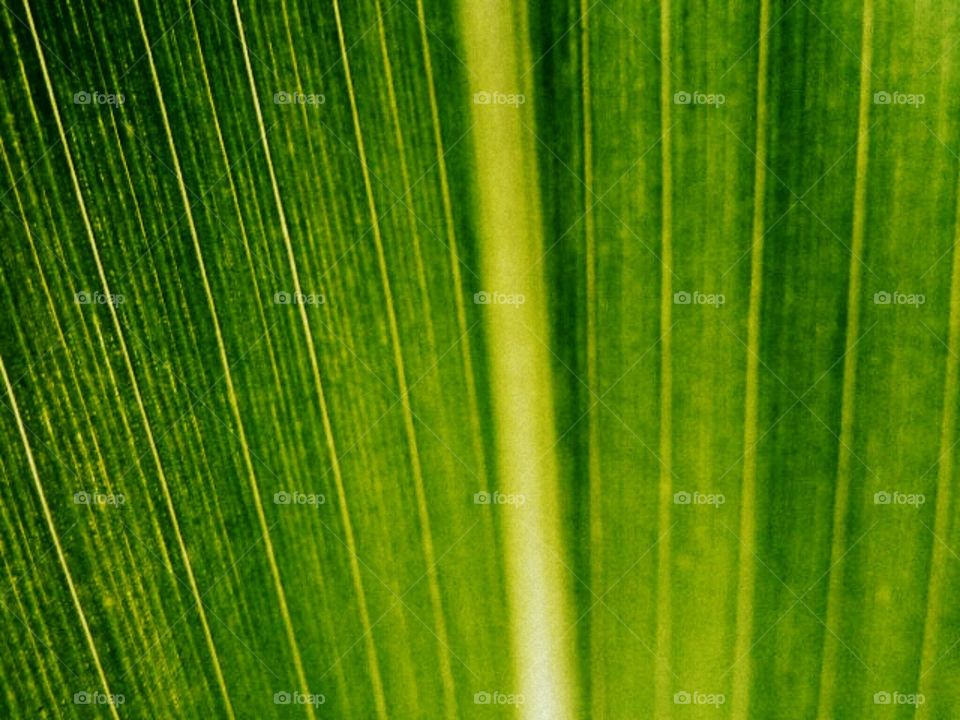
415	359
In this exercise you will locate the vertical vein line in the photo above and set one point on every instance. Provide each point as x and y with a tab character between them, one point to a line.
466	354
135	385
56	540
446	672
939	557
828	667
662	694
405	176
598	677
746	577
375	676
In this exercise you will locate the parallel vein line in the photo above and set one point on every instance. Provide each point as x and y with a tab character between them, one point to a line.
56	537
446	672
126	355
746	580
466	353
375	677
664	634
828	666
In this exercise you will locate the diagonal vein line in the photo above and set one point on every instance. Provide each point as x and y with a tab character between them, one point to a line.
588	214
34	163
207	607
315	371
865	65
159	38
762	38
426	534
48	516
36	38
197	200
800	598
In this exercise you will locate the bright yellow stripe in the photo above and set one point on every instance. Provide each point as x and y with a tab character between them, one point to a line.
511	241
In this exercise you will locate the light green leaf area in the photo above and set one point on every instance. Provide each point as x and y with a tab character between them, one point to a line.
416	359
